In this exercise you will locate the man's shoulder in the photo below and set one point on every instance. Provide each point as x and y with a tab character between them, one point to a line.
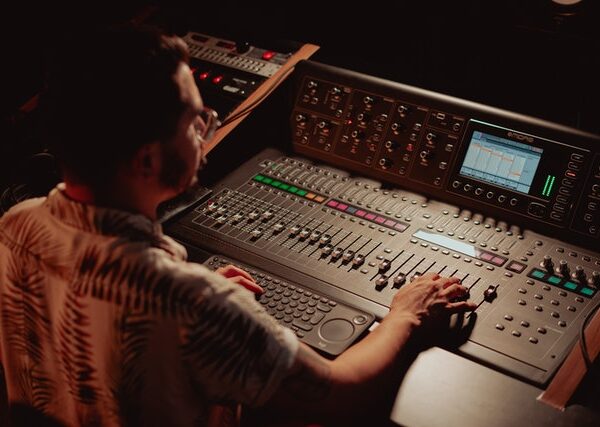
21	210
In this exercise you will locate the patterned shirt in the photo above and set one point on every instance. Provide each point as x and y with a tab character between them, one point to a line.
103	322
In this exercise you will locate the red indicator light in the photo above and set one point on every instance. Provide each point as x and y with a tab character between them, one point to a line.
203	76
268	55
217	79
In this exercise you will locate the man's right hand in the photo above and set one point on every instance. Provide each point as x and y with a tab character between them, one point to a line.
428	296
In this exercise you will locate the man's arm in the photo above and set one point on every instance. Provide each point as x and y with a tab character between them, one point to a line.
367	373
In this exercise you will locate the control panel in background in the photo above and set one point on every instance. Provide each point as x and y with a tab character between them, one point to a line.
227	72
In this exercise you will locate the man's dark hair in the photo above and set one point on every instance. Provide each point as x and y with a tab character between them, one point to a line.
110	91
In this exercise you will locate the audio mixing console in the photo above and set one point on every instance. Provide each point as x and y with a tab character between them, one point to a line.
385	182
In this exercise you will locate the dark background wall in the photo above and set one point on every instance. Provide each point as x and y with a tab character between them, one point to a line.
529	56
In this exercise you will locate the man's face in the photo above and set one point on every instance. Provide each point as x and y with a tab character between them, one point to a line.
182	155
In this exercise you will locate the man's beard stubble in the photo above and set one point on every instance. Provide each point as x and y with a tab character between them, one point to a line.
175	173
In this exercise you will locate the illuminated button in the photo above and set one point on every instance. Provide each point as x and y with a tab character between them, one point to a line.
587	291
217	79
538	274
570	285
268	55
554	280
571	174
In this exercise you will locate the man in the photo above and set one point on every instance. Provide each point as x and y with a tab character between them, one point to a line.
103	320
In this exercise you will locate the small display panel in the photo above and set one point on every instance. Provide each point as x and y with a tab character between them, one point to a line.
501	161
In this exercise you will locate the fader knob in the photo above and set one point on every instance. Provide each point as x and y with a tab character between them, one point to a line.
384	265
325	239
315	236
358	260
278	227
348	255
490	293
381	282
326	250
295	230
547	263
399	280
337	253
304	233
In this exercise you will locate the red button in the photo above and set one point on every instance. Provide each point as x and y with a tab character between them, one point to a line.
203	76
217	79
268	55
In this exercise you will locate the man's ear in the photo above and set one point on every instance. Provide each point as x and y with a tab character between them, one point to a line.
146	161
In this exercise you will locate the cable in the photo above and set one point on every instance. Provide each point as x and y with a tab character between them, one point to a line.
582	339
248	108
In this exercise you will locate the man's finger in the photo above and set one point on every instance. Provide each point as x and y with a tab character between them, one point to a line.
248	284
232	271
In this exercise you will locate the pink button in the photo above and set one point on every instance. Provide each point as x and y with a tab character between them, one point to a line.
360	213
370	216
400	226
380	220
332	203
390	223
342	206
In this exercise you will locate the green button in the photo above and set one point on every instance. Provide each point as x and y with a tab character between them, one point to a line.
284	186
267	180
293	189
587	291
301	192
276	184
570	285
554	280
538	274
259	178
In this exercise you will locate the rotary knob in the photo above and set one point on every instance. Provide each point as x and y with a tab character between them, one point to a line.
594	281
579	274
385	163
547	263
563	268
363	117
390	145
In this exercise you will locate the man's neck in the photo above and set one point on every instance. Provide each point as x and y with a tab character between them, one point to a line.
121	198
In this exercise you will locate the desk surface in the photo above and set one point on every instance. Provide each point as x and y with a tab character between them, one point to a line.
446	390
